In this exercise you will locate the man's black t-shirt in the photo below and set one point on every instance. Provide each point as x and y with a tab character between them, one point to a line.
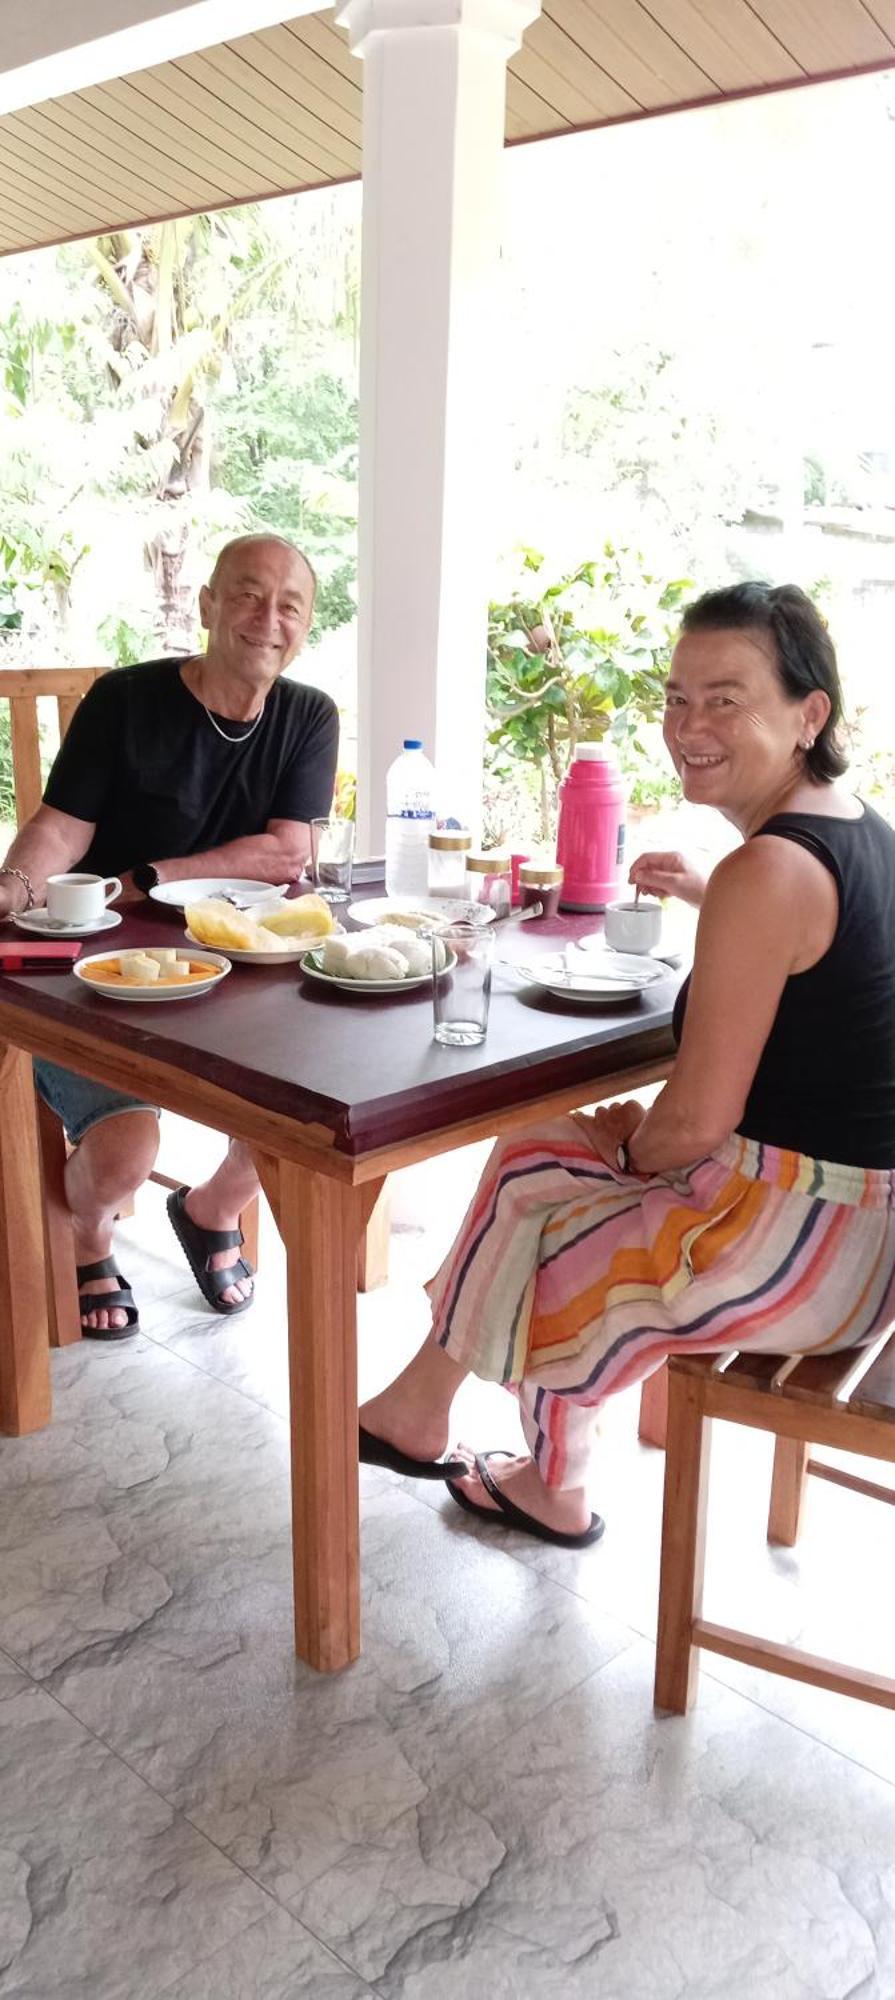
143	761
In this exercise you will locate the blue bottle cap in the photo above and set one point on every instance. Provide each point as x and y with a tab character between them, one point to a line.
413	742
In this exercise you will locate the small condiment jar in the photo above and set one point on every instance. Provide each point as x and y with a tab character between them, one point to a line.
540	882
447	862
488	881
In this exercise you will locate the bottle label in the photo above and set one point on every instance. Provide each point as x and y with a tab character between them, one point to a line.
413	812
620	849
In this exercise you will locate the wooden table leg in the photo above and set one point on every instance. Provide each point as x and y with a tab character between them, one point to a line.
320	1221
24	1334
59	1239
372	1249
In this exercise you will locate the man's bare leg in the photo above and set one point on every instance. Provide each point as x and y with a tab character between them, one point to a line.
218	1204
112	1160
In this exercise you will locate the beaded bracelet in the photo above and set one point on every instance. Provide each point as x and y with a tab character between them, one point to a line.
25	881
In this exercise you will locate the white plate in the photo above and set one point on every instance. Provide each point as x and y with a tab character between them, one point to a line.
43	925
623	976
247	893
438	909
302	942
218	968
312	969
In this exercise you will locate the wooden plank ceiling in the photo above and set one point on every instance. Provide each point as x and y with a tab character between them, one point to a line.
279	111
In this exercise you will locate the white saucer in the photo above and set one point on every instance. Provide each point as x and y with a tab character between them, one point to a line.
43	925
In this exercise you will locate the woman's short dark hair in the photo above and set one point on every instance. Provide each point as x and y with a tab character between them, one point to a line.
803	650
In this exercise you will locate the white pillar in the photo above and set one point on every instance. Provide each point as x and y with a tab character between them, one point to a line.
434	101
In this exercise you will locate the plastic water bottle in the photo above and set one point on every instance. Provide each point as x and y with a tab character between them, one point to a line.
590	841
410	805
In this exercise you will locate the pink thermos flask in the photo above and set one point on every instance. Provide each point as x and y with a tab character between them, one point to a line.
590	840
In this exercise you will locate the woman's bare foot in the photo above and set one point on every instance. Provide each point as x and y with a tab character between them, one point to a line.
413	1413
567	1511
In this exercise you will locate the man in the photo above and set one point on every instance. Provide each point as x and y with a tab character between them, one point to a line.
211	765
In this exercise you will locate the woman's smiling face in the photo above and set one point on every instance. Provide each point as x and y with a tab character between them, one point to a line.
733	732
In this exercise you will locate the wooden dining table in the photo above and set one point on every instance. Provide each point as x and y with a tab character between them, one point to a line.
331	1092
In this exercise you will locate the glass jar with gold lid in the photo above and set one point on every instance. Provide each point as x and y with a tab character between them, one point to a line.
448	848
488	881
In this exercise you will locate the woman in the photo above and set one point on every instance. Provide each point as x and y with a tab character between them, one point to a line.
753	1204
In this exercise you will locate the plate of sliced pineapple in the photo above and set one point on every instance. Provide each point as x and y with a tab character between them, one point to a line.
283	931
156	972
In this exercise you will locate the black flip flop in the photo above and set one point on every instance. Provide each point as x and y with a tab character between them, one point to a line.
120	1301
200	1244
374	1451
511	1516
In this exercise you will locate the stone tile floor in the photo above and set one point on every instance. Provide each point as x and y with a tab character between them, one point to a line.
485	1803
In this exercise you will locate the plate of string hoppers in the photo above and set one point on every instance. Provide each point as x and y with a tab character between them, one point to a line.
278	935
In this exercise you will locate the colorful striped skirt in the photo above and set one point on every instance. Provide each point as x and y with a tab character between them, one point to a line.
570	1280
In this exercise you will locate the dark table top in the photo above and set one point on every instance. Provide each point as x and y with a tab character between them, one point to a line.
366	1067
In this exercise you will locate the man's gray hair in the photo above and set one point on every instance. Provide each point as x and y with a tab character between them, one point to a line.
247	541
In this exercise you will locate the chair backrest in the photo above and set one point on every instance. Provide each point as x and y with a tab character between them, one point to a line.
20	687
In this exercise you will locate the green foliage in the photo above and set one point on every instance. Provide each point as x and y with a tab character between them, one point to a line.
123	642
7	790
288	446
575	657
160	389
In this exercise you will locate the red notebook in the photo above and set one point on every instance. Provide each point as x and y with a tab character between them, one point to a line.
20	955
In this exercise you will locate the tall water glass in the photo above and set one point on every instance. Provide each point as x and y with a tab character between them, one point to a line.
332	853
461	995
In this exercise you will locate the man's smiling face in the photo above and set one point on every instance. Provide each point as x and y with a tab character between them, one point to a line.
258	611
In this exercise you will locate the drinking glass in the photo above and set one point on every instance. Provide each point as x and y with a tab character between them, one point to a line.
461	996
332	853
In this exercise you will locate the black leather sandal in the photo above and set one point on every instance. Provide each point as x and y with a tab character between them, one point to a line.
120	1301
505	1513
200	1244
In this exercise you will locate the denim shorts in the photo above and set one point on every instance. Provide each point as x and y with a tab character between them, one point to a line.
78	1101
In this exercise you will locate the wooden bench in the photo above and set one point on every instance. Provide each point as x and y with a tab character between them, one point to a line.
833	1400
22	688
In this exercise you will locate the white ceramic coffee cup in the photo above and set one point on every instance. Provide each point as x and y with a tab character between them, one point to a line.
80	899
633	926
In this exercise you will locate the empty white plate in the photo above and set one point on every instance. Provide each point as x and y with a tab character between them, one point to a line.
244	894
602	980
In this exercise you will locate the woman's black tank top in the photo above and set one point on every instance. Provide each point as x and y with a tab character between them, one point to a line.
825	1084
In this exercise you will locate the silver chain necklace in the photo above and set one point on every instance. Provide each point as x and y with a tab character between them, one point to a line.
235	739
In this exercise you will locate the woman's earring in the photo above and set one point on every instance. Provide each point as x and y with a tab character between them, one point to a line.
808	743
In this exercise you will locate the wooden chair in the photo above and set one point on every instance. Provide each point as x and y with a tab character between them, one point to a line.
835	1400
21	687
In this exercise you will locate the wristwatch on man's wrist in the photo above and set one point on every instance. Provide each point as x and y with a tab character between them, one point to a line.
145	876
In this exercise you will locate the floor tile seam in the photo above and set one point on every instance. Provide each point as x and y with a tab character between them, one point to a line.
186	1818
209	1376
300	1927
801	1728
